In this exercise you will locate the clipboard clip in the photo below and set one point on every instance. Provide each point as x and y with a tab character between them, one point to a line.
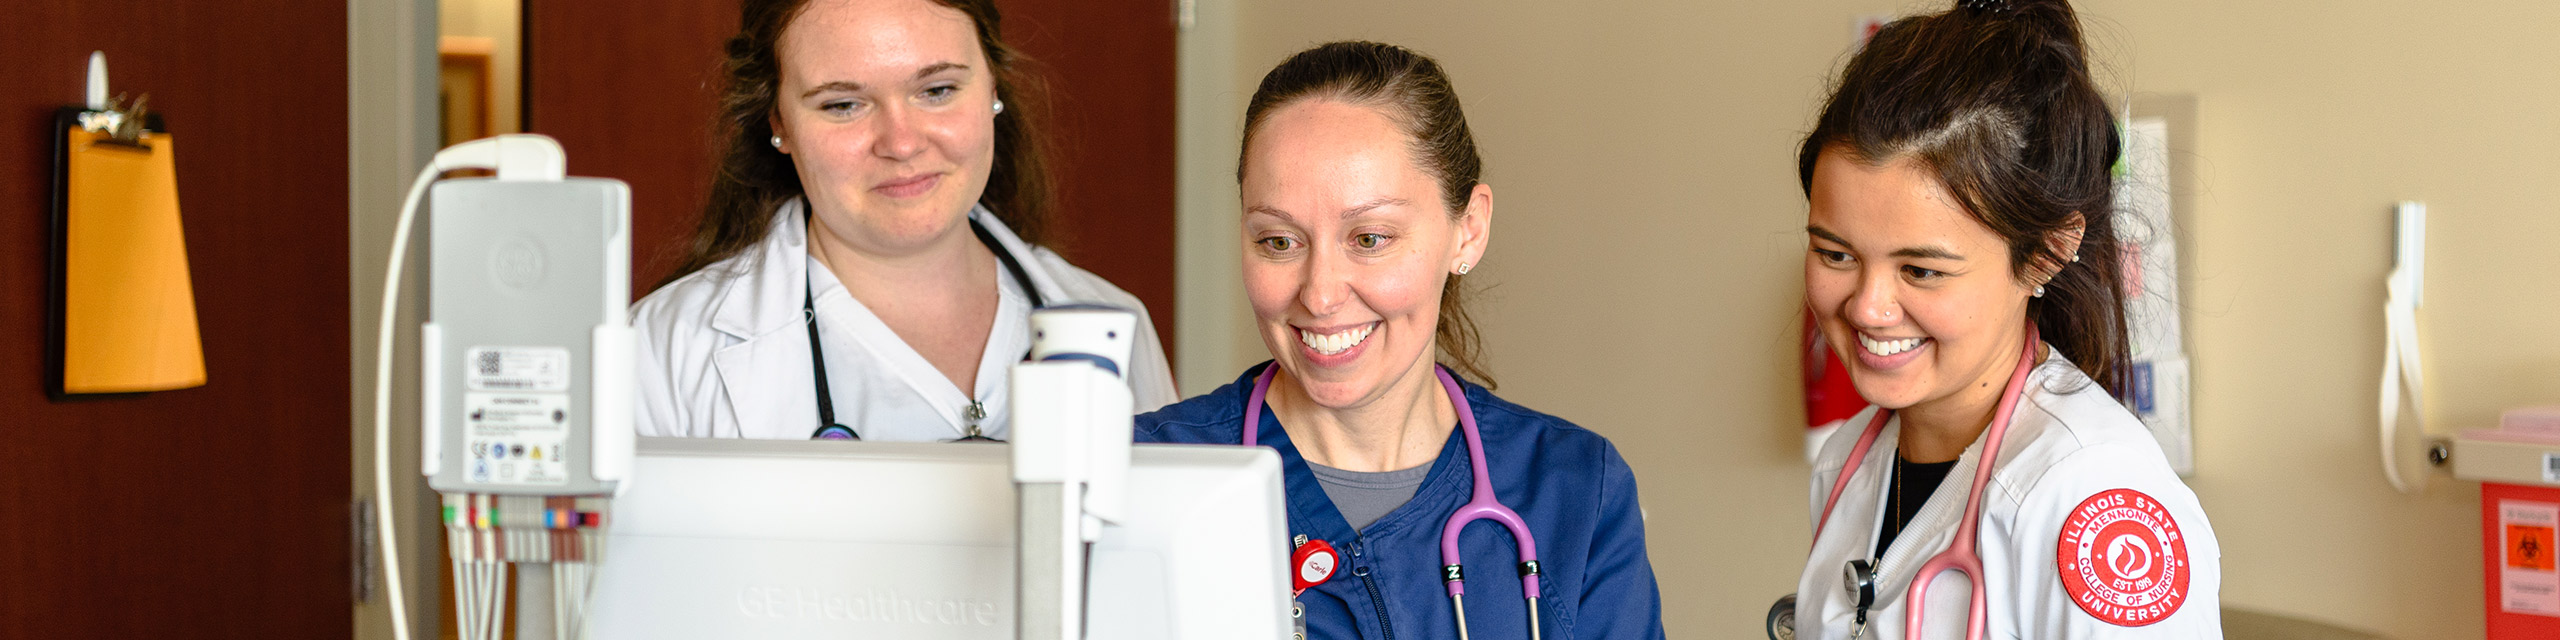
123	124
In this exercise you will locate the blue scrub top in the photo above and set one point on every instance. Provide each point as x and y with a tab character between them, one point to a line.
1569	484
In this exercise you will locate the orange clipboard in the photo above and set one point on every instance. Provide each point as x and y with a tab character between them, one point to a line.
123	303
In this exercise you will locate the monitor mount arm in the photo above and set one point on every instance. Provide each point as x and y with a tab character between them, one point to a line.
1071	431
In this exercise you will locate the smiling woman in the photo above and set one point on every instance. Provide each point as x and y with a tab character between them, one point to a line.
884	162
1362	210
1962	258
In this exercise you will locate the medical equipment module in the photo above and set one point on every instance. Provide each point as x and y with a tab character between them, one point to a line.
800	540
832	539
525	375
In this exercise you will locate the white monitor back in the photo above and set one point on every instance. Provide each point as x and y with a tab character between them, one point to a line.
723	538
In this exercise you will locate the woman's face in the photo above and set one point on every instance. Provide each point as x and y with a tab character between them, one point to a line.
1348	243
1915	294
887	110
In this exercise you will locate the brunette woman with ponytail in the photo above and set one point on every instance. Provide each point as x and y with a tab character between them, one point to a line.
1964	260
1363	209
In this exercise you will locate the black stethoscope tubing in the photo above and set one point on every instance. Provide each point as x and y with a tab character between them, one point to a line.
828	429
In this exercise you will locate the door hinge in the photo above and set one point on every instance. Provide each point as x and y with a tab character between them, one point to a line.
368	560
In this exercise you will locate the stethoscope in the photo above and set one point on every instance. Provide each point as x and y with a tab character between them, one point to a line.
828	428
1482	506
1963	553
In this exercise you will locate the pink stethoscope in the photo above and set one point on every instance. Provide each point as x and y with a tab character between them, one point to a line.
1483	506
1962	554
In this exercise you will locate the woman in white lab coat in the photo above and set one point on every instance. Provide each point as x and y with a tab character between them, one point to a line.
869	258
1964	260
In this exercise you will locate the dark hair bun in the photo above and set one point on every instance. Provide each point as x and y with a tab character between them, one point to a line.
1979	7
1995	98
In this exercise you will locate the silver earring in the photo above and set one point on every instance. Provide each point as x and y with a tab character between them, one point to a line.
777	142
1464	267
999	106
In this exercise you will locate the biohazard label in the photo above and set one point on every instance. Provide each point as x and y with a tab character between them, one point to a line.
2123	559
516	369
516	438
2526	580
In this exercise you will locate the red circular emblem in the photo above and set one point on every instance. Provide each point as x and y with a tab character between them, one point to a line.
2123	559
1315	562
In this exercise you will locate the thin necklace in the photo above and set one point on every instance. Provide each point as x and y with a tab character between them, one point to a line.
1898	490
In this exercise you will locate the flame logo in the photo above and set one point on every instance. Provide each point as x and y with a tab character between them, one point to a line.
2130	556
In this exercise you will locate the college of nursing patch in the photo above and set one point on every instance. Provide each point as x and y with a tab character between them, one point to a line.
2122	559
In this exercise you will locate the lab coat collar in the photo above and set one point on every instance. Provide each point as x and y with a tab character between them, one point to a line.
1929	530
764	298
1934	526
754	303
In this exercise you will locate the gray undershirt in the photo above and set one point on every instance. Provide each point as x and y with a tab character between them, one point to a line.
1365	496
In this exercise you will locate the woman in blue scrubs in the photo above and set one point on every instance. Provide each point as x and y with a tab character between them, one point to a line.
1362	212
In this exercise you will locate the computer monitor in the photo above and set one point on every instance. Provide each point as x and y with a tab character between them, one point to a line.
724	538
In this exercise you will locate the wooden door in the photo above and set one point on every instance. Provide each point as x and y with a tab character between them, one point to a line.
220	511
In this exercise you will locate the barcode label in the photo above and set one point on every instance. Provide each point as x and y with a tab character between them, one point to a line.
516	369
2551	468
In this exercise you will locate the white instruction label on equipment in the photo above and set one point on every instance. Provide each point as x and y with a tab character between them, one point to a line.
2527	579
516	438
517	369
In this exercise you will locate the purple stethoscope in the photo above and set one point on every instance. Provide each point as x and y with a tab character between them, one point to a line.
1483	506
1962	553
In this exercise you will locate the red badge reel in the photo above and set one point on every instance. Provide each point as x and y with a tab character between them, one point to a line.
2123	559
1314	562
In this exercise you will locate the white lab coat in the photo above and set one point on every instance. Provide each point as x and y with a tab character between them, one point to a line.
724	352
2068	442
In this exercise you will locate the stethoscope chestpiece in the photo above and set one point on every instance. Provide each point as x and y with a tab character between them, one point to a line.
1859	577
1782	618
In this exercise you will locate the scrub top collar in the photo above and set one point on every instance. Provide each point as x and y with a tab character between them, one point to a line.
1312	514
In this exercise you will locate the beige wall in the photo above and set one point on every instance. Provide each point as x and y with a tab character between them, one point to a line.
1647	246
